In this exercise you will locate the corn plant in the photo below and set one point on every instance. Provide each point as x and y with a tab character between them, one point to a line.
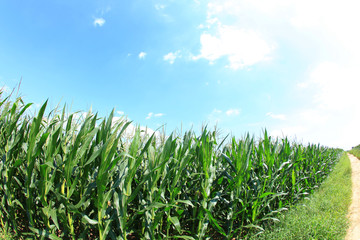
65	177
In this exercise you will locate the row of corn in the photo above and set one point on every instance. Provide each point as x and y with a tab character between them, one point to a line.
65	178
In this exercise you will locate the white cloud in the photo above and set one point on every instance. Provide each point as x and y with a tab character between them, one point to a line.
233	30
324	34
151	114
241	47
270	7
292	132
243	9
171	56
331	116
120	112
232	112
99	22
329	27
313	116
335	86
158	114
212	21
142	55
217	111
332	22
307	14
276	116
331	86
302	85
219	116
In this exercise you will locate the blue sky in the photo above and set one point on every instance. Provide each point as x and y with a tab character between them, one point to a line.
288	66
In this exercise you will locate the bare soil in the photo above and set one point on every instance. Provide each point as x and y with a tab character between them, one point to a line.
353	232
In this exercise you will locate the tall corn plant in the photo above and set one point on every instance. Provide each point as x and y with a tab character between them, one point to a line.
239	159
204	158
178	204
153	199
126	191
13	137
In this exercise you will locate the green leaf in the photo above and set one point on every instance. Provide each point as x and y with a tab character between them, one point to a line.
86	219
188	202
45	233
266	194
183	237
53	216
18	163
175	221
215	223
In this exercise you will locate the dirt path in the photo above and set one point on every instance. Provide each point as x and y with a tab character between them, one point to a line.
353	232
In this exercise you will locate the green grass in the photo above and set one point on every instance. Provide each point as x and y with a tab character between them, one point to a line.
323	216
355	151
5	235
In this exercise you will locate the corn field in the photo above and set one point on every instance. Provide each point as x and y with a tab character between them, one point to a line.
64	178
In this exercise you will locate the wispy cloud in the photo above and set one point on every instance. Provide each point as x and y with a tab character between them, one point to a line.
159	7
215	116
142	55
171	56
105	10
233	112
218	115
151	114
120	112
158	114
99	22
276	116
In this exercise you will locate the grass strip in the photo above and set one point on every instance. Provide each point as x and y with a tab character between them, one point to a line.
355	151
5	235
323	215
